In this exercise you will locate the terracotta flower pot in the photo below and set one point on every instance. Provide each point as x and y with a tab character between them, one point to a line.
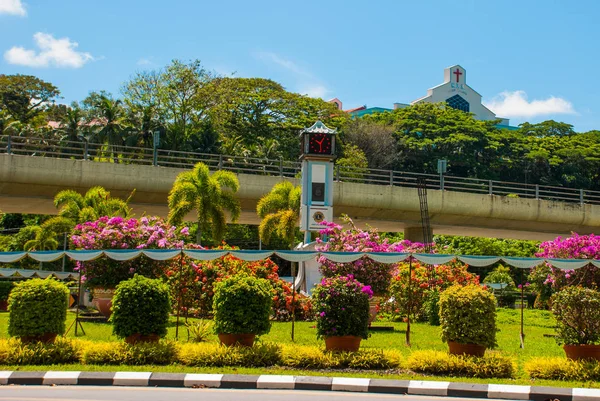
102	298
466	349
583	351
138	338
245	340
342	343
47	338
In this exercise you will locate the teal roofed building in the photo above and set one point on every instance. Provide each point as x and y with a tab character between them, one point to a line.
454	91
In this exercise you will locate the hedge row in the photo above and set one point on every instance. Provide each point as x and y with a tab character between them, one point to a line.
563	369
493	365
13	352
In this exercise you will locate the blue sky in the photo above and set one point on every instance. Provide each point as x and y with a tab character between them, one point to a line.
531	60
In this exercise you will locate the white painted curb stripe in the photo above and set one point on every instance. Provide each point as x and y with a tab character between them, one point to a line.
131	378
54	377
586	394
197	379
350	384
4	375
508	391
428	388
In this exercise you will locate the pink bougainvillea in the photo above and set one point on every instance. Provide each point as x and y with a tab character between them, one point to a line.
374	274
574	247
120	233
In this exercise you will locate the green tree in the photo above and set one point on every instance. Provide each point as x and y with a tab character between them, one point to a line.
111	119
250	111
279	211
25	96
210	195
353	164
95	203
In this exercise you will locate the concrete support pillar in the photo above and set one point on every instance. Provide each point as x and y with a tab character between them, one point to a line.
415	234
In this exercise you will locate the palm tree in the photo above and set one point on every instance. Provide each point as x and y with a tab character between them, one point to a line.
113	123
210	195
44	240
89	207
280	211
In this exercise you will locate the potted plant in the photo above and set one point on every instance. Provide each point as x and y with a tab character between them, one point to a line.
38	310
103	274
341	305
577	312
376	275
242	309
141	309
5	287
468	319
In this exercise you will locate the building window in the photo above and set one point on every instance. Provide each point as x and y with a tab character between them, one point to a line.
457	102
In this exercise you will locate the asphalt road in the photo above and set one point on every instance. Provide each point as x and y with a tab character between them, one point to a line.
91	393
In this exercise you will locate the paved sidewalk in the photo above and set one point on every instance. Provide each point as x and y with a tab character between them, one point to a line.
414	387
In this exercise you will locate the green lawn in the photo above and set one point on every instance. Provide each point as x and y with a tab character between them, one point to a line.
537	325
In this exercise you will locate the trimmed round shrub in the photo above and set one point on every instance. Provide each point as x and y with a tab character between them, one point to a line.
577	312
242	305
37	307
141	306
468	315
342	307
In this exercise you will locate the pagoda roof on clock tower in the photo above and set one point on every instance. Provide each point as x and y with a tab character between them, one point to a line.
318	128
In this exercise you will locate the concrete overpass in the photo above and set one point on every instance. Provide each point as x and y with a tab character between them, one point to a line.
28	185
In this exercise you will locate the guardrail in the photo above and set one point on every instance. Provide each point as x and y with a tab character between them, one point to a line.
97	152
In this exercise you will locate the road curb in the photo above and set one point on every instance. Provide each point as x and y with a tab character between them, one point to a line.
195	380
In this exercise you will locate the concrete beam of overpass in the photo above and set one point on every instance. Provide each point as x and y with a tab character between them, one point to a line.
28	185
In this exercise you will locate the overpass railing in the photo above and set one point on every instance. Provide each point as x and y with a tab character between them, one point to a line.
97	152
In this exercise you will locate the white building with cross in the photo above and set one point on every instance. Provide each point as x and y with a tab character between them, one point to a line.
454	91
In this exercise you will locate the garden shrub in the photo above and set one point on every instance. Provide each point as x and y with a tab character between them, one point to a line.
432	307
5	288
198	279
501	275
562	369
141	306
468	315
118	353
342	307
424	280
36	307
492	365
242	305
217	355
62	351
577	313
308	357
199	331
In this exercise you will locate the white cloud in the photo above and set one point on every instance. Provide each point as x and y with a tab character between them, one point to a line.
12	7
516	105
280	61
315	91
145	62
52	52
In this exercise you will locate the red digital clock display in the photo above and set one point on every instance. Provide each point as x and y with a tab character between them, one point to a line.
319	144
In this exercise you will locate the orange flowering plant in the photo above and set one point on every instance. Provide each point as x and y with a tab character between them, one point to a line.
197	280
411	297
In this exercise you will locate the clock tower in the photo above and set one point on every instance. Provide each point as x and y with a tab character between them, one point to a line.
317	155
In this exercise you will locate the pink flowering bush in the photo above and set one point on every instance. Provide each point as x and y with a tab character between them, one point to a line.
120	233
374	274
574	247
341	305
